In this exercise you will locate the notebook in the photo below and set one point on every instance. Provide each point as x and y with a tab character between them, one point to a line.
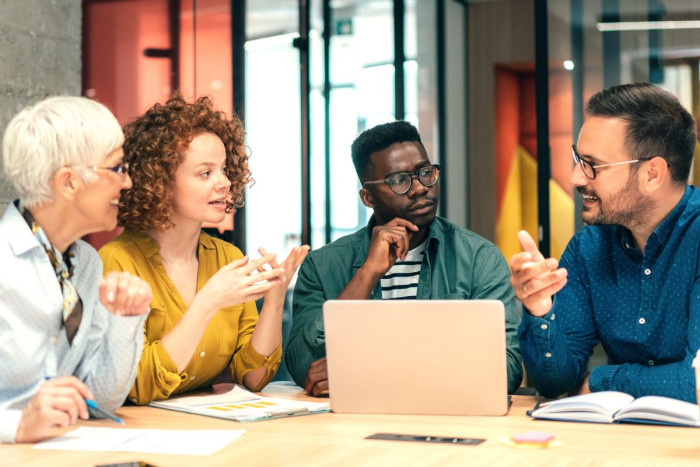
423	357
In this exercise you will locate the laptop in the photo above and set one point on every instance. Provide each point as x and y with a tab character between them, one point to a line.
422	357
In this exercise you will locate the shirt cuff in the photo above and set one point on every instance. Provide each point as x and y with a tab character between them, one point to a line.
128	328
601	378
9	422
254	360
164	362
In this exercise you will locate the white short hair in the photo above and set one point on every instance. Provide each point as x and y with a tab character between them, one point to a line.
54	133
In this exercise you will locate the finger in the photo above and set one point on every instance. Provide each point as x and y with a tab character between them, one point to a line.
320	361
69	406
402	222
531	271
401	242
256	263
266	275
56	417
122	298
528	245
544	294
76	391
519	260
319	388
72	382
108	291
257	291
235	264
539	283
274	262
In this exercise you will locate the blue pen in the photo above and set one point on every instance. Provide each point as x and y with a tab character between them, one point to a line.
98	411
92	405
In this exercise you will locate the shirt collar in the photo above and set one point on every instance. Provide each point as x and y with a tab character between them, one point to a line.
664	230
20	236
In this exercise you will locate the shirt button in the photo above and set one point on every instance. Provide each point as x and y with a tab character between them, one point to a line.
191	377
651	362
548	355
642	321
544	326
52	339
553	316
647	271
201	354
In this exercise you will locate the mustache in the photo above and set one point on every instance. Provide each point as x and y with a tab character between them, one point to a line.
585	192
428	200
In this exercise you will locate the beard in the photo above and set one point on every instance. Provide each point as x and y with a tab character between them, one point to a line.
628	207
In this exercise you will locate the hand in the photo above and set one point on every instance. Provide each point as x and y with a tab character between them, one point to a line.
124	294
534	278
389	242
316	382
59	402
289	267
235	283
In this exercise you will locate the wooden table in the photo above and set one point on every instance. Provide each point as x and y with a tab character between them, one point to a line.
339	440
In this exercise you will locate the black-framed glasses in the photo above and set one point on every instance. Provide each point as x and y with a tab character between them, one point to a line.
589	168
401	182
120	169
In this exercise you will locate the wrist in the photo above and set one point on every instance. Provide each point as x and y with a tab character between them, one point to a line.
21	435
370	274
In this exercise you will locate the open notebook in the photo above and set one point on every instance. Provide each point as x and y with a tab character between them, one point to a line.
428	357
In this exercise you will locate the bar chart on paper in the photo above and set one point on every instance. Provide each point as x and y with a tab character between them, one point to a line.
241	405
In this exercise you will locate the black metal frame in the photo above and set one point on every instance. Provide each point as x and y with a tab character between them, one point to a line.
542	115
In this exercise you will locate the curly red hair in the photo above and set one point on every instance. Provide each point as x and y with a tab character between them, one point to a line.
154	147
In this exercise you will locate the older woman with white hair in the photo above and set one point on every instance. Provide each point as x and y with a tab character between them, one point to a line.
66	335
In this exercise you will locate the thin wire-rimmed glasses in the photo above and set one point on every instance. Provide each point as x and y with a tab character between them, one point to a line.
589	168
400	183
119	169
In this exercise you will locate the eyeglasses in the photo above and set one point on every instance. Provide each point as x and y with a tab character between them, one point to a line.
589	168
119	169
400	183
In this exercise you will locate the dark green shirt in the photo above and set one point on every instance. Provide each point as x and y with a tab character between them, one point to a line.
458	265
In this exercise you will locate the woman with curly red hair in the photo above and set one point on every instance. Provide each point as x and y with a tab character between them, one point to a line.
188	166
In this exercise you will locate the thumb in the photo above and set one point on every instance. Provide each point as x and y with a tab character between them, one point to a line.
528	245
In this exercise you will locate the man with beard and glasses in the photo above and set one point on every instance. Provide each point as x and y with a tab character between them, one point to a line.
630	279
405	252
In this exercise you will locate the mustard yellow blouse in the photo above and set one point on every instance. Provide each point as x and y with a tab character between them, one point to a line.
226	341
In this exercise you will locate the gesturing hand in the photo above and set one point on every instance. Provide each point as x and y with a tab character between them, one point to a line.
534	278
59	402
240	281
124	294
389	242
289	267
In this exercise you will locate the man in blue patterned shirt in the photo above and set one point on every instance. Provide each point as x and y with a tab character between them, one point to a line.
631	278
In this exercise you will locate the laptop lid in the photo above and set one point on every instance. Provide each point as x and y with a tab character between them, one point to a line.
424	357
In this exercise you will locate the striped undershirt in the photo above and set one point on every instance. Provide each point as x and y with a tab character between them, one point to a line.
401	281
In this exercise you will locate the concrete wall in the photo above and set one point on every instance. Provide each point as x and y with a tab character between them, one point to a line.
39	57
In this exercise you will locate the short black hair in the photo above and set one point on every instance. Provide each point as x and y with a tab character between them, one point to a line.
657	124
378	138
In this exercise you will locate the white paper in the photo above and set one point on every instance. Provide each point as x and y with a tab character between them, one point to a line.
241	405
188	442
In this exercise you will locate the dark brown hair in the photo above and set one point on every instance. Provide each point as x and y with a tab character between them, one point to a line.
154	147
